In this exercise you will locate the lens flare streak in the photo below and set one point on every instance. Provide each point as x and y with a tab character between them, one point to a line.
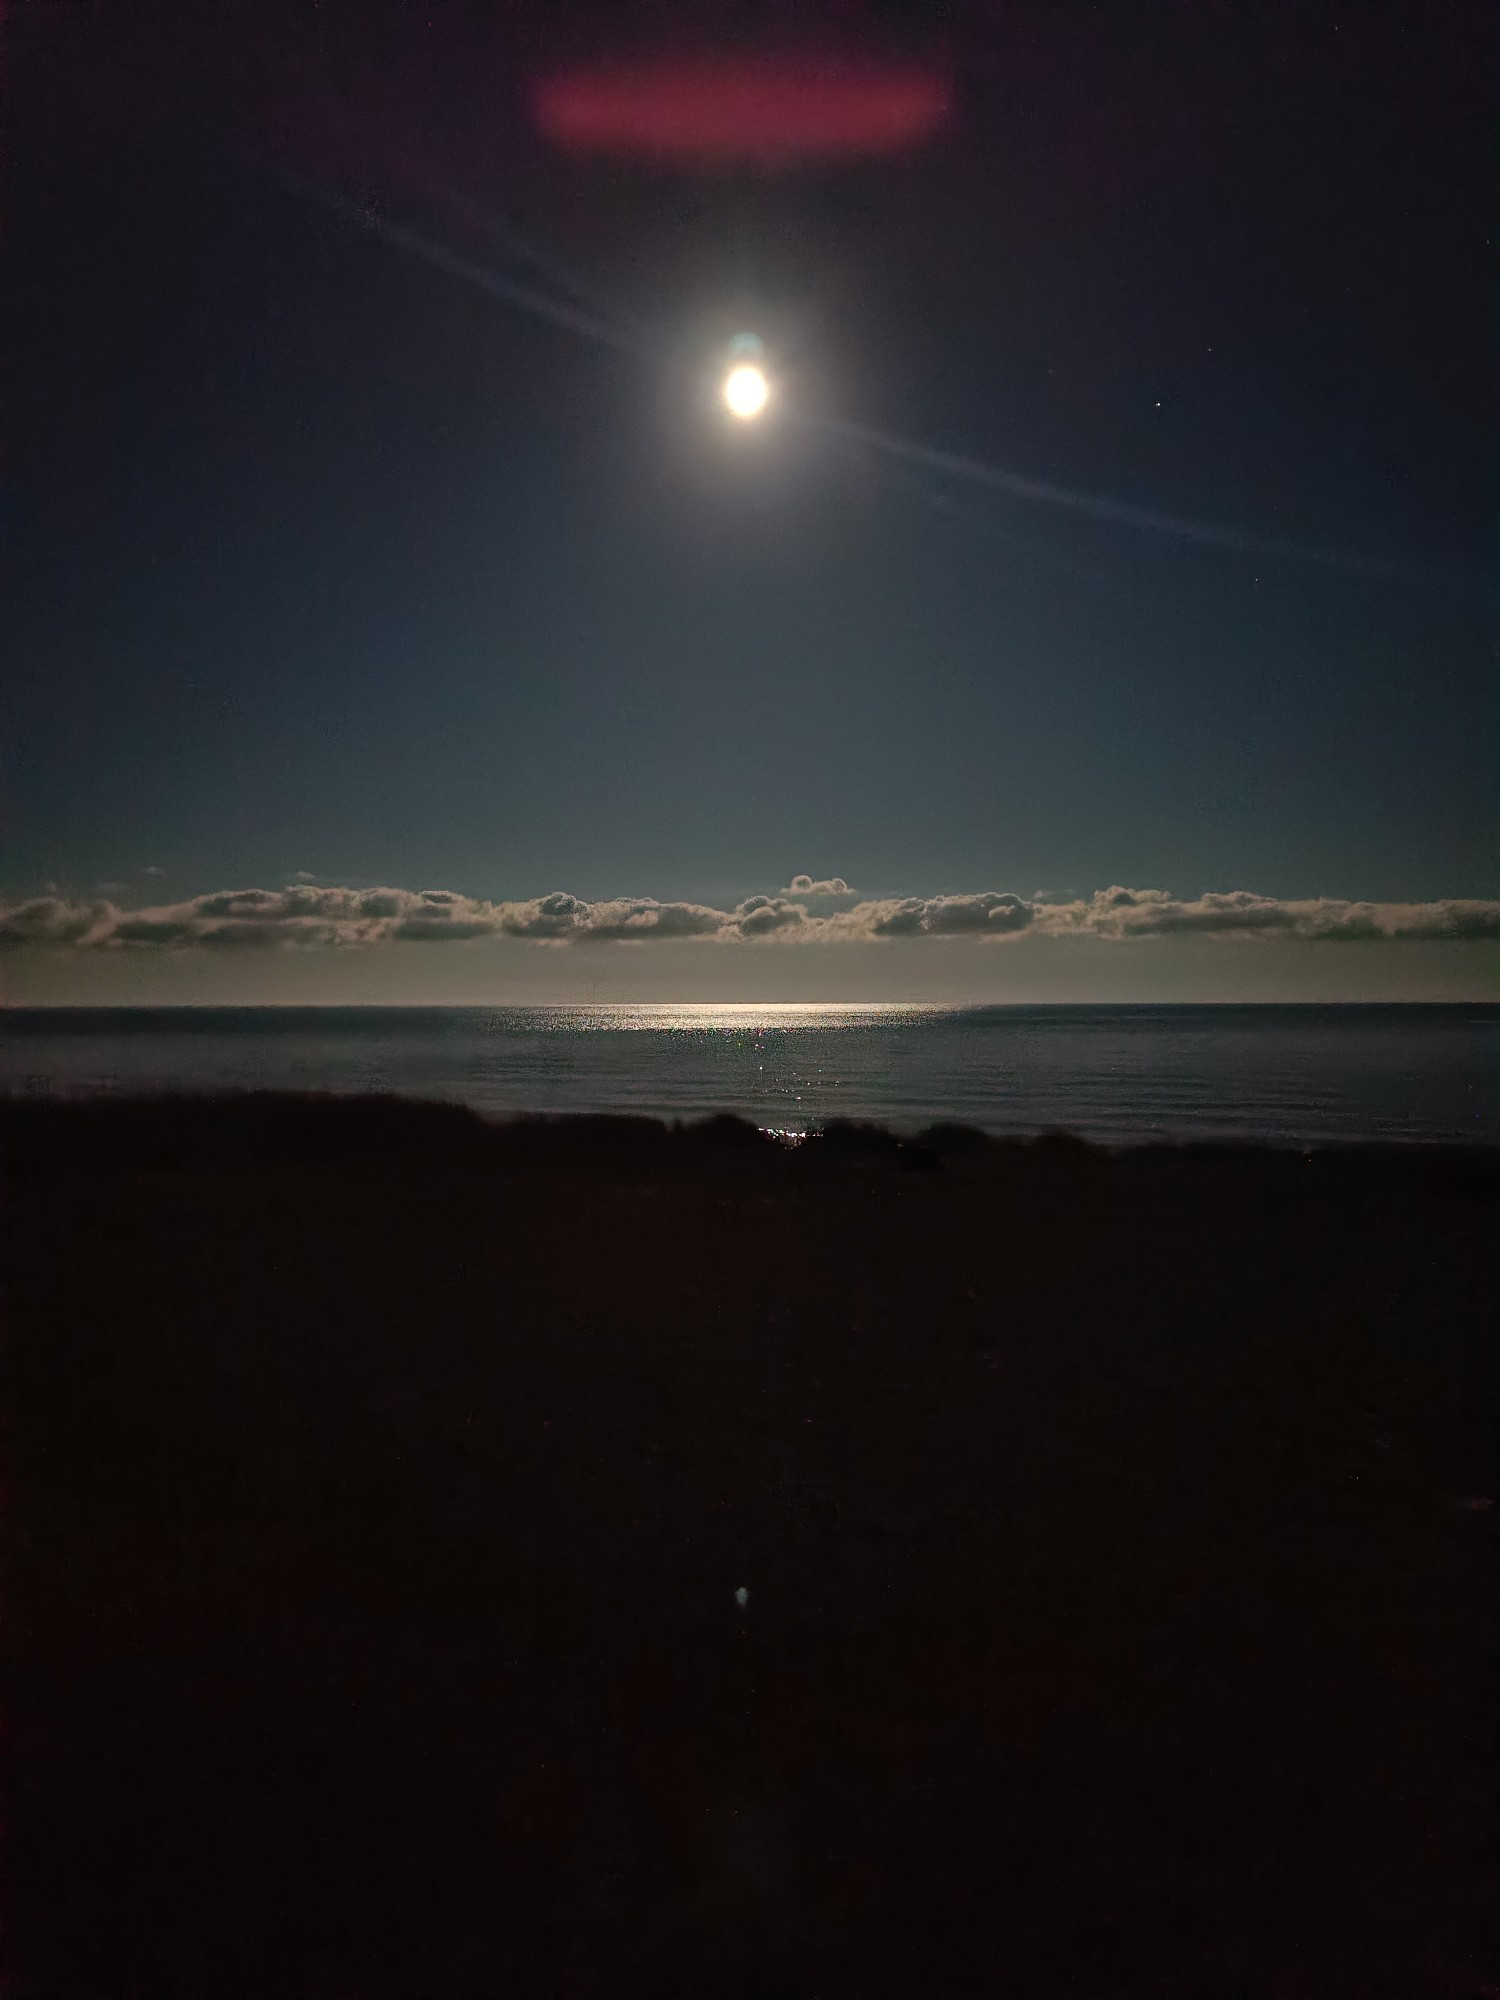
558	312
746	392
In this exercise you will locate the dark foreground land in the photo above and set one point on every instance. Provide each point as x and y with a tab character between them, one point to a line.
1117	1534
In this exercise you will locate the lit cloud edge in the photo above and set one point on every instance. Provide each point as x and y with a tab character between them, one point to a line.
306	915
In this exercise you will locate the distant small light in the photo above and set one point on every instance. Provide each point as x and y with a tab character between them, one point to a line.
745	392
742	1597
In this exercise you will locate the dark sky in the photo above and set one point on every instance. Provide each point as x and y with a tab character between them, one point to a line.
319	558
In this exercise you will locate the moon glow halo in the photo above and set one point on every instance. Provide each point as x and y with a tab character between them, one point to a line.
746	391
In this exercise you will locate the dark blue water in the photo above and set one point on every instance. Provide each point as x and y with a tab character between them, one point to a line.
1288	1073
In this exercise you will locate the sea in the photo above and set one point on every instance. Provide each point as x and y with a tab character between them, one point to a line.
1292	1075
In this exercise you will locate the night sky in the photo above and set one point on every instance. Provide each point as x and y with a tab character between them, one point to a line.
323	561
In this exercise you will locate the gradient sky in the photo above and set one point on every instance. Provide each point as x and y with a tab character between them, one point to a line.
321	559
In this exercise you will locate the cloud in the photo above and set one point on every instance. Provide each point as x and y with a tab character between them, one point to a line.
306	916
52	920
153	871
762	916
830	887
1128	913
990	914
636	922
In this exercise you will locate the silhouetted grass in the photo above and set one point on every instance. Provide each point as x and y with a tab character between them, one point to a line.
378	1482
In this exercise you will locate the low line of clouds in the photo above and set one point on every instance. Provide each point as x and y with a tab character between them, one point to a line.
826	911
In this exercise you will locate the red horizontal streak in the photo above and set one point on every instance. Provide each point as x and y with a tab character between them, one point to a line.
740	109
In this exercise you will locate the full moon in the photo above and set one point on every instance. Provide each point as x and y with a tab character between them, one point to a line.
745	391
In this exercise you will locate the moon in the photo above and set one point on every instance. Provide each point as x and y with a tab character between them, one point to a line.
746	391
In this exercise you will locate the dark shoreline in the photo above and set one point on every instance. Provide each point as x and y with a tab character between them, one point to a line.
1117	1528
128	1128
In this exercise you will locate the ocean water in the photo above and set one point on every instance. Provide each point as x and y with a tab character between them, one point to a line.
1115	1074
